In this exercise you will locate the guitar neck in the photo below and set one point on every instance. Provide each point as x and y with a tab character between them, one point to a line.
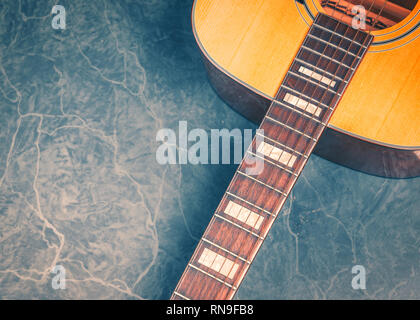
300	111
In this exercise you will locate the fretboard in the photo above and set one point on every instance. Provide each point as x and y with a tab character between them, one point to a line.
300	111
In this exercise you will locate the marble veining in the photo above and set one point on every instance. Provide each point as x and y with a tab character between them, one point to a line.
80	185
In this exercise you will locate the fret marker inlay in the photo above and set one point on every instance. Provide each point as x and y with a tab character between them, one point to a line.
244	215
297	116
317	76
277	154
302	104
218	263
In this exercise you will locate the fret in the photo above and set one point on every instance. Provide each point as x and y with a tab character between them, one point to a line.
218	263
208	286
319	83
339	35
270	182
321	100
347	45
319	77
341	29
284	157
332	45
324	63
295	120
247	202
307	125
273	163
233	237
302	104
274	176
329	51
262	183
305	96
226	250
297	111
290	128
327	57
244	215
237	240
211	276
285	136
253	192
282	146
320	70
239	226
181	296
320	97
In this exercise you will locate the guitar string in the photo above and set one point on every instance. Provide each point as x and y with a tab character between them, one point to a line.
364	42
268	220
347	51
349	71
369	33
341	85
317	127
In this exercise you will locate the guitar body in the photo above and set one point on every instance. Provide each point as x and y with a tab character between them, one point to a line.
338	77
247	47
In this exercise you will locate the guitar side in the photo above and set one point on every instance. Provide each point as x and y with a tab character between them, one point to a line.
247	48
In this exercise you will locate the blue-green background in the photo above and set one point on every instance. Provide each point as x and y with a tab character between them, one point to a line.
80	186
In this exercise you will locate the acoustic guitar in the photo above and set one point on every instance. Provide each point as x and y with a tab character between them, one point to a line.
338	78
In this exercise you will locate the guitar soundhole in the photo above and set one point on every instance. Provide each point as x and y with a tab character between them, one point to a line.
369	14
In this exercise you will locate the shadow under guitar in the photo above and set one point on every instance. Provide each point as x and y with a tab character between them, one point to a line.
335	144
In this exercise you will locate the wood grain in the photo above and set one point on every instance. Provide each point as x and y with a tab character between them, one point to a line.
231	240
255	41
